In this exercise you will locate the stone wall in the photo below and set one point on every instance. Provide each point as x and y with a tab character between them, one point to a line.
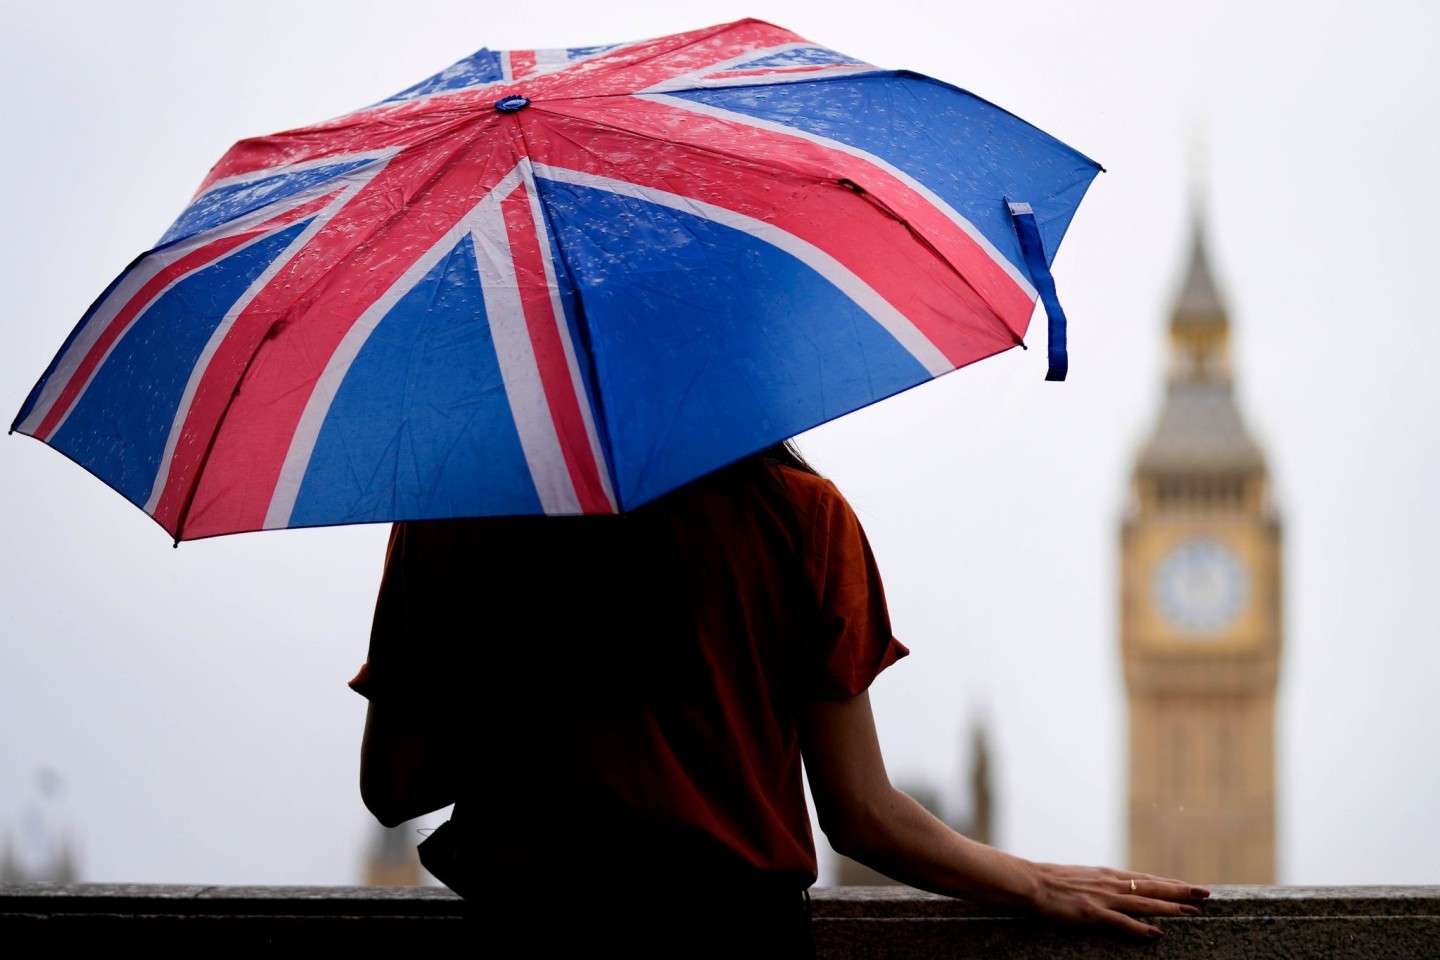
850	922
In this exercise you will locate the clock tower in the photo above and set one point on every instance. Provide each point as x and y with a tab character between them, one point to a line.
1200	622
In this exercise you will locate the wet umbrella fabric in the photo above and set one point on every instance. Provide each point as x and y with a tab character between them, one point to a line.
557	282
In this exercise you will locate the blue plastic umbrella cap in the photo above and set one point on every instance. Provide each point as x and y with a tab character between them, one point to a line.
511	104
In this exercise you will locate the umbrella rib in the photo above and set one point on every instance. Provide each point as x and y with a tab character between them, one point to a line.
192	487
876	73
182	514
400	210
1017	275
574	77
703	148
925	242
602	420
843	182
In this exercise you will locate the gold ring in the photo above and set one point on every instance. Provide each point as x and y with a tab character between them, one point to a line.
1132	884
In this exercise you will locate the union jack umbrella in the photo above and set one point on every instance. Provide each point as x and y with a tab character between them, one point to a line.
558	281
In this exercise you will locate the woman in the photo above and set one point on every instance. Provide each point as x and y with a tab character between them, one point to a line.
630	698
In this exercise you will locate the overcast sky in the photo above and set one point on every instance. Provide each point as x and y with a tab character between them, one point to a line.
192	702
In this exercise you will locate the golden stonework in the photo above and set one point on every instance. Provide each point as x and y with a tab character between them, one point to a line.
1200	624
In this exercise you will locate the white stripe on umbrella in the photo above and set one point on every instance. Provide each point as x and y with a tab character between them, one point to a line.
197	373
99	323
953	215
542	231
518	368
317	408
267	173
714	75
896	323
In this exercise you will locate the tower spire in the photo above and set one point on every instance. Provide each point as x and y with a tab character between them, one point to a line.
1200	427
1199	301
1199	324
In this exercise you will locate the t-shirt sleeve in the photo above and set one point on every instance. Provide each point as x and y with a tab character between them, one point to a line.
443	619
851	641
387	672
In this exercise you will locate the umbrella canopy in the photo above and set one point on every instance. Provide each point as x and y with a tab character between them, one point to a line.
557	282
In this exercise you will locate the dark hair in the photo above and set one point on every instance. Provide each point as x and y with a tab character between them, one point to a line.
787	454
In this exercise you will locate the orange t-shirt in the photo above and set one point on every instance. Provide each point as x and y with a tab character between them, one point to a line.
625	688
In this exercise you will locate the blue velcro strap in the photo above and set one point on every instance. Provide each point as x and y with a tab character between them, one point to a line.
1034	254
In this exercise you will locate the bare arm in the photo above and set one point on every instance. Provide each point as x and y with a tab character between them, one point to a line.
869	820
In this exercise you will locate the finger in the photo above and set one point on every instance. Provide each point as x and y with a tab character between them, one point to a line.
1196	892
1135	928
1159	889
1150	907
1153	876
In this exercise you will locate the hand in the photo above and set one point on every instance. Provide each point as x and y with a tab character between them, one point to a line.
1113	898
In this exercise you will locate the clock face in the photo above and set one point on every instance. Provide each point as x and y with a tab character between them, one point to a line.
1200	586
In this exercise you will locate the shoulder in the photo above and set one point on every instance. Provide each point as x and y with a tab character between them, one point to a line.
807	487
812	493
828	520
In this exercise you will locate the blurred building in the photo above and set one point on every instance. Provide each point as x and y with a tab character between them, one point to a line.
55	867
1200	626
392	860
976	826
41	850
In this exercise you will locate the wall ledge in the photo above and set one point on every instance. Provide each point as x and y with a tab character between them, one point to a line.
1238	921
